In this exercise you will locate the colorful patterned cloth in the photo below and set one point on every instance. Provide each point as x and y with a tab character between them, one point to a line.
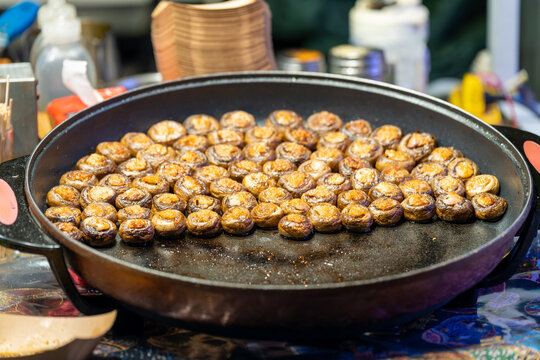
505	324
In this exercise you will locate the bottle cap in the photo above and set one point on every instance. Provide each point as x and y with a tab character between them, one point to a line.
55	9
62	31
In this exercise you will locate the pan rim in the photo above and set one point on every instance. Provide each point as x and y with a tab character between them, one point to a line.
280	77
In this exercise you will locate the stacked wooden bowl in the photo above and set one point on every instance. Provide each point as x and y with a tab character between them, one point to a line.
193	40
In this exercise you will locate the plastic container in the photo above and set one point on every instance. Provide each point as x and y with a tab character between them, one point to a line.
63	43
401	31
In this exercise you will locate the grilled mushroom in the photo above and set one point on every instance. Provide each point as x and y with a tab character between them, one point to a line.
329	155
283	120
488	206
166	132
415	186
325	217
193	159
237	221
388	136
481	184
118	182
336	183
134	196
302	136
386	211
223	154
157	154
321	194
263	134
133	212
200	124
225	186
392	157
293	152
395	174
352	197
168	201
428	171
226	136
386	189
137	232
323	122
134	168
275	195
98	232
102	210
446	184
315	168
356	218
367	148
418	207
237	120
203	202
463	168
96	164
259	152
173	171
188	186
297	183
169	223
417	145
267	215
364	179
277	168
78	179
191	142
349	165
63	214
334	139
241	198
295	206
239	169
210	173
70	230
136	141
295	226
444	155
454	207
257	182
154	184
204	223
97	193
357	128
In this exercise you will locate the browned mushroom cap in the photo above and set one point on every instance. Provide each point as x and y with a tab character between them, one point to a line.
321	194
349	165
200	124
239	169
97	193
166	132
315	168
63	214
98	232
137	232
134	196
445	184
78	179
172	171
193	159
237	221
392	157
388	136
325	217
364	179
169	223
366	148
334	182
357	128
356	218
295	226
481	184
444	155
101	210
157	154
386	189
203	202
259	152
297	183
295	206
293	152
188	186
226	136
257	182
417	145
428	171
70	230
386	211
488	206
204	223
134	168
241	198
301	136
191	143
168	201
415	186
96	164
463	168
118	182
223	187
133	212
334	139
284	119
136	141
454	207
395	174
267	215
263	134
223	154
329	155
277	168
114	150
323	122
275	195
352	197
210	173
154	184
237	120
418	207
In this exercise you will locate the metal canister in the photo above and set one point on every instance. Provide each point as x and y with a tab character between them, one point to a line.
359	61
301	60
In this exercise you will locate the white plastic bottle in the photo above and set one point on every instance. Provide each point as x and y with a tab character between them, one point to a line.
51	11
62	40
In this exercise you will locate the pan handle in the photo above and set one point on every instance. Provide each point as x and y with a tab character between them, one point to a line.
24	234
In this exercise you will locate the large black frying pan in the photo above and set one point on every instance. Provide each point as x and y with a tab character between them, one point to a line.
262	281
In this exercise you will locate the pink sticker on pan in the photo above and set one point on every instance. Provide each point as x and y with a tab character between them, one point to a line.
532	151
8	204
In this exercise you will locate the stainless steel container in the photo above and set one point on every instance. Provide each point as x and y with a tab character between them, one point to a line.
301	60
359	61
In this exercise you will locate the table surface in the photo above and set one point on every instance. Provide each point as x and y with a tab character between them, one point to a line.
505	324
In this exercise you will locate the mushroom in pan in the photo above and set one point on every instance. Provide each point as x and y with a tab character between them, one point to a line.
357	128
446	184
166	132
226	136
295	206
336	183
356	218
259	152
173	171
168	201
239	169
388	136
386	189
210	173
237	221
63	214
395	174
334	139
204	223
157	154
463	168
293	152
330	156
98	232
315	168
237	120
365	178
349	165
63	195
78	179
193	159
454	207
275	195
352	197
257	182
114	150
203	202
136	141
284	120
154	184
200	124
137	232
134	196
429	171
268	135
277	168
133	212
169	223
223	154
367	148
323	122
386	211
96	164
418	207
488	206
297	183
225	186
188	186
267	215
241	198
191	142
325	217
444	155
320	194
134	168
295	226
70	229
302	136
97	193
481	184
415	186
392	157
417	145
102	210
118	182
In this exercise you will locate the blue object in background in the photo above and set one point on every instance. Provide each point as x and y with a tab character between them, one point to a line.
16	20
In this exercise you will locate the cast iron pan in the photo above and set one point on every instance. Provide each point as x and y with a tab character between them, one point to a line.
263	282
